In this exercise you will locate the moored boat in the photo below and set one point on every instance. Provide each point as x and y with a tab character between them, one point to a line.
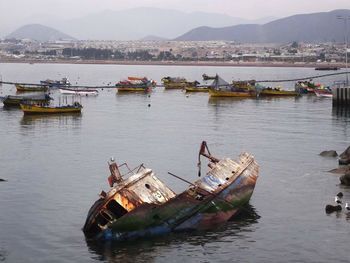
306	87
195	87
44	109
221	88
79	91
16	100
64	82
174	82
135	84
277	91
31	87
141	205
324	93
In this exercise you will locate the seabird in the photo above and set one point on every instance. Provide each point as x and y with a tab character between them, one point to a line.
337	200
340	195
347	207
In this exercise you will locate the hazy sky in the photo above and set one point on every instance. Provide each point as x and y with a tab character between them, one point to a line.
239	8
13	12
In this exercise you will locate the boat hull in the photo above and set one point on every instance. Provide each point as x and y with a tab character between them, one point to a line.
32	88
215	199
278	93
237	94
15	102
194	89
133	89
79	92
36	109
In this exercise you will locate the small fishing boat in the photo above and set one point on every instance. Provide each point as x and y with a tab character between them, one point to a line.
135	84
174	83
195	87
16	100
44	109
277	91
307	87
207	77
324	93
221	88
64	82
138	204
31	87
79	91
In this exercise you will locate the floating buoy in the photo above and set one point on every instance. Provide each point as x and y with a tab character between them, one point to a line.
149	105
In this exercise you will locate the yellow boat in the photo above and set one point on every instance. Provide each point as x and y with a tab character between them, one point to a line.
174	83
277	92
232	93
238	89
28	87
38	109
133	89
196	89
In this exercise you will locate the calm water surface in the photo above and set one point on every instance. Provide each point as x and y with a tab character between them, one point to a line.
56	166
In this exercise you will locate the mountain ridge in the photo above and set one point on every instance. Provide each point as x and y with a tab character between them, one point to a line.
313	27
39	32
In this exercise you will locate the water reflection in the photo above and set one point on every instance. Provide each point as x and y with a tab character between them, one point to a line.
146	250
49	119
341	112
3	254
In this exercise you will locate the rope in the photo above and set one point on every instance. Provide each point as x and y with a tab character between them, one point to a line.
113	87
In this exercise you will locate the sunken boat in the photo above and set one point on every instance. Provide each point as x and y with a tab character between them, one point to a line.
138	204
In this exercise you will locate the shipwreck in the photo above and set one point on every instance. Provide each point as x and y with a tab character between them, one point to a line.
138	204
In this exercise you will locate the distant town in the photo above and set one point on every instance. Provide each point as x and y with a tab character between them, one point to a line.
77	51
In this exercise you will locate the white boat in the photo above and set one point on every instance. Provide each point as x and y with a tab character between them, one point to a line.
81	92
323	93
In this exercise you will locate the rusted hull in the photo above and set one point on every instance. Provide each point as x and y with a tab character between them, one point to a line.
181	214
217	197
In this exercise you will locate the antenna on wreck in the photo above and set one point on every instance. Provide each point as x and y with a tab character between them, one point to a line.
204	150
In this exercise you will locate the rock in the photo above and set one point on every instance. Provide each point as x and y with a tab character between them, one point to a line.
332	208
330	153
340	195
344	161
345	179
345	154
341	170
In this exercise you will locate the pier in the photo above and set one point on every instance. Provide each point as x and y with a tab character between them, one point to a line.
341	95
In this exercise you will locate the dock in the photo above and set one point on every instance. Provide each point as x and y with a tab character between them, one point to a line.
341	95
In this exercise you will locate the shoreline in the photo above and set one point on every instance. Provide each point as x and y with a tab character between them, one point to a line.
179	63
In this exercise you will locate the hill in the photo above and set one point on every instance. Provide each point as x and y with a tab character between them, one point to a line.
38	32
316	27
137	23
